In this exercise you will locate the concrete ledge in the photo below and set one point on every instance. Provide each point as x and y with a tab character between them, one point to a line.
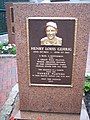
7	55
3	38
10	104
23	115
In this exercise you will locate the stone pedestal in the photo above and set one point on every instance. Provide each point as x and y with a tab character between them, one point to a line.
56	99
23	115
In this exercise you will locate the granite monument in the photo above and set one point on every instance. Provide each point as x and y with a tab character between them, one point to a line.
51	76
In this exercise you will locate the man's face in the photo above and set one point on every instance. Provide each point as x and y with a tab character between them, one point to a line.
51	32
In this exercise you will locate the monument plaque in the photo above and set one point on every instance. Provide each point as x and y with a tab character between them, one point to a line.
51	64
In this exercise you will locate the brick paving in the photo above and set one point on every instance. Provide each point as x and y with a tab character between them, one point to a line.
8	77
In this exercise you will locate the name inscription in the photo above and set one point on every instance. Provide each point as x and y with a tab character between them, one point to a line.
51	65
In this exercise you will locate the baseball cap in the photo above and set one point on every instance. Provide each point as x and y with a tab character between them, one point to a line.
52	24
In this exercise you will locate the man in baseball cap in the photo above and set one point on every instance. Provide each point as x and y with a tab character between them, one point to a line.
52	24
51	39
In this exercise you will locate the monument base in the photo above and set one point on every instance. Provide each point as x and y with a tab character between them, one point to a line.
23	115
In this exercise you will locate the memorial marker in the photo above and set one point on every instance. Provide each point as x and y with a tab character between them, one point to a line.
51	65
51	40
